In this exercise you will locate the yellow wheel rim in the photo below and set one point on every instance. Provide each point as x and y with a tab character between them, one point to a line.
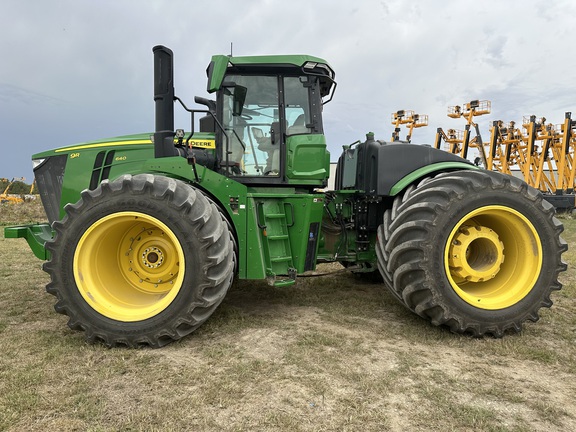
127	266
493	257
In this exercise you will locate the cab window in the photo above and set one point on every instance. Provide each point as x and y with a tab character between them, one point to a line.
256	122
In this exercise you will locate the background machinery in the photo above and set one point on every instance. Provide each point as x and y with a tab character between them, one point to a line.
540	153
543	152
146	234
5	197
410	120
459	142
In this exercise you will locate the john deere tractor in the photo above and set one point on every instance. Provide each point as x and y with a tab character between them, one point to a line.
147	232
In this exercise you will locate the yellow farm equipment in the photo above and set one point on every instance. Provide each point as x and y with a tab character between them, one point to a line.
410	119
540	152
543	152
457	141
8	198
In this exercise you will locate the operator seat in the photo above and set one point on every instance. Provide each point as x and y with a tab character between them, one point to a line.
272	149
298	127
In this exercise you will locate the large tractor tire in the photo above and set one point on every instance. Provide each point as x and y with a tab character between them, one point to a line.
476	251
141	260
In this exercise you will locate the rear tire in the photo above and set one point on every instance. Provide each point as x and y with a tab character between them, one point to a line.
476	251
141	260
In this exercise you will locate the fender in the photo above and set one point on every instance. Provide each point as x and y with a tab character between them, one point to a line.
399	165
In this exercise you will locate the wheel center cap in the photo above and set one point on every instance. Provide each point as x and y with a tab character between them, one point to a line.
476	254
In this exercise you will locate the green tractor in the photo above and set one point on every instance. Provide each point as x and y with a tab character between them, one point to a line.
147	233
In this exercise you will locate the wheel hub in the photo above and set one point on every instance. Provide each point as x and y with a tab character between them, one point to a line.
475	254
150	260
152	257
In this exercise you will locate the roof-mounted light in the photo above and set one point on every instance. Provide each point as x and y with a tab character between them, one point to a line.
314	65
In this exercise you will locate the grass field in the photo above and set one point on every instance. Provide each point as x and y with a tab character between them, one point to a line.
328	354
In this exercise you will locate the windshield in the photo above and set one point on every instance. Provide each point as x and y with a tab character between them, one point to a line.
257	128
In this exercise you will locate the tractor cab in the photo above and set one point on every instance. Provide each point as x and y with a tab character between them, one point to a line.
267	118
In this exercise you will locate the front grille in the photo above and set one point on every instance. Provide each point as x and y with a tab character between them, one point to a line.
49	176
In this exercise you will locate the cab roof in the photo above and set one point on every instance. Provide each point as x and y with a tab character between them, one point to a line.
306	63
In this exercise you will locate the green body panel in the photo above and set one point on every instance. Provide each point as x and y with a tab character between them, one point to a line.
131	154
307	158
126	159
219	64
137	140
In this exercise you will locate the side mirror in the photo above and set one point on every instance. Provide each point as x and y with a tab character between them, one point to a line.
239	96
239	99
206	102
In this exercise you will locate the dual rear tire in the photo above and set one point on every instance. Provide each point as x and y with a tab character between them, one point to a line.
476	251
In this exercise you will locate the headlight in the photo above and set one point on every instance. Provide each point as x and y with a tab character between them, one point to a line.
37	162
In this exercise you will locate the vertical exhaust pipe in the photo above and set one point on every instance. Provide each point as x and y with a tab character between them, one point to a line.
164	102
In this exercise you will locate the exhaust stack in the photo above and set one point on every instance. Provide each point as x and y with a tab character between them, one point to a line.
164	102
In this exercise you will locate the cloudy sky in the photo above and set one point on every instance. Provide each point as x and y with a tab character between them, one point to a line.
79	70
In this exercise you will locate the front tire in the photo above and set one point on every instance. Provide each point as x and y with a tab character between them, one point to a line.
476	251
141	260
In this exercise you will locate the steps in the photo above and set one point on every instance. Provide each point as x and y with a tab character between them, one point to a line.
273	224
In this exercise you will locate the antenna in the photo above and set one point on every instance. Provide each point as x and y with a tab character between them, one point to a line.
231	46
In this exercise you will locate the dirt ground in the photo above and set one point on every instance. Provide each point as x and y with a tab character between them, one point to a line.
394	372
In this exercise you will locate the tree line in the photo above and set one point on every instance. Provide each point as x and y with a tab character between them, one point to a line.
17	187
